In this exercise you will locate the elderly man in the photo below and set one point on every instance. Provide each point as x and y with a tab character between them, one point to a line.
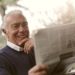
17	57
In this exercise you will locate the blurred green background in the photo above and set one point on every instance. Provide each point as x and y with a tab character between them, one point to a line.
2	41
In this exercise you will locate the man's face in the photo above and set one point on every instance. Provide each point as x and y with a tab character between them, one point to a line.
17	29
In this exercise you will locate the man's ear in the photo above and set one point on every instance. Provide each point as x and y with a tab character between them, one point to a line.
4	31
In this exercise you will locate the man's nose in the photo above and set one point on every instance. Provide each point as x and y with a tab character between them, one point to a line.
21	28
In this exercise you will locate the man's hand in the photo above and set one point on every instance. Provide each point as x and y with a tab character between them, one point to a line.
26	44
38	70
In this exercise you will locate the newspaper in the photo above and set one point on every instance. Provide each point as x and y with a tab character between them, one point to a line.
50	43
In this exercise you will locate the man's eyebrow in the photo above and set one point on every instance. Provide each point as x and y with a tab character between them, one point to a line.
25	22
19	22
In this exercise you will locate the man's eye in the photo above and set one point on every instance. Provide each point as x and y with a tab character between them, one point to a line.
24	24
15	25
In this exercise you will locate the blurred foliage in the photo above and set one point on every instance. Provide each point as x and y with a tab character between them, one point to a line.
2	41
6	2
3	5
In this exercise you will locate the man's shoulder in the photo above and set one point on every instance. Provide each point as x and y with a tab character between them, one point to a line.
2	50
3	54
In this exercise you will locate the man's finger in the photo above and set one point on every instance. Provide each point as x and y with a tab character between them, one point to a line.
23	41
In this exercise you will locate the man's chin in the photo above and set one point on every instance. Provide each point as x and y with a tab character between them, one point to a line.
20	39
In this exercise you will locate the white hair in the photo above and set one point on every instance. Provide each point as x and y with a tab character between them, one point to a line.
14	12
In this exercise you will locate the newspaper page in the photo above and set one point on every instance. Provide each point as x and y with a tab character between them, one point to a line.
50	43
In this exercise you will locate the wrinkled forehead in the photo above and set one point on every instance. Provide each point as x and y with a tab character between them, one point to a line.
14	17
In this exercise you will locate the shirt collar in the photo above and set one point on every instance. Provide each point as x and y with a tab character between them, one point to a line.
13	46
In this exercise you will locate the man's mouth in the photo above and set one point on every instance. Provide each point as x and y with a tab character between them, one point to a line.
22	36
